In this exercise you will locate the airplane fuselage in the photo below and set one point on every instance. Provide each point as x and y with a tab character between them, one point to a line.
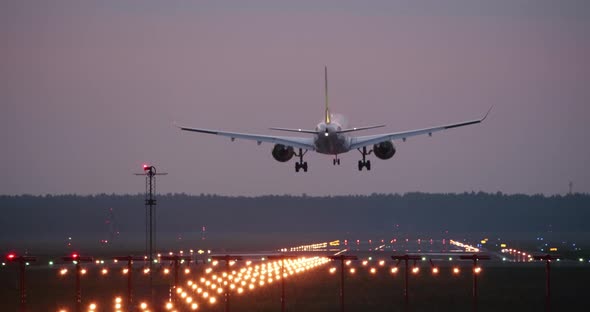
329	141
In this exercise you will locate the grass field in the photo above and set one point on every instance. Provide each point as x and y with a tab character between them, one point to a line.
502	287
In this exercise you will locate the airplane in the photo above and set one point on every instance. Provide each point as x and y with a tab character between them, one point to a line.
332	138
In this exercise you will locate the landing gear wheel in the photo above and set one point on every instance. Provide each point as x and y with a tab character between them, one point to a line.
363	162
301	164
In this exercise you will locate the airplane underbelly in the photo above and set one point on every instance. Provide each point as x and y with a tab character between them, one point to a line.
332	145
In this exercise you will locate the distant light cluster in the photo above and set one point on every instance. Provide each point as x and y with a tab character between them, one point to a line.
518	254
311	247
468	248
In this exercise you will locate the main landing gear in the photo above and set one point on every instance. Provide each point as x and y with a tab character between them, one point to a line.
364	163
301	164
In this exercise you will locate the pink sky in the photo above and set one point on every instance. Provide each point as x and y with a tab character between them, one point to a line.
89	93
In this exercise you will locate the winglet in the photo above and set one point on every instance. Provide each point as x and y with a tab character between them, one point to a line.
327	113
486	115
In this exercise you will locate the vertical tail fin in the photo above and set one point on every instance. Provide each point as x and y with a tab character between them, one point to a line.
327	113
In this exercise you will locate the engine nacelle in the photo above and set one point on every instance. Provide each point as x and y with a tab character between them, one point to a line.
282	153
384	150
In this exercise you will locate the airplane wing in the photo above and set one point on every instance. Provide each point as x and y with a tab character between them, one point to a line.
357	142
304	143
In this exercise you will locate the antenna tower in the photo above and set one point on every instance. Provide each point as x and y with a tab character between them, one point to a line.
150	202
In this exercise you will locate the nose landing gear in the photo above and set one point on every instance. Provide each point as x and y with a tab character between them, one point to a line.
364	163
301	164
336	160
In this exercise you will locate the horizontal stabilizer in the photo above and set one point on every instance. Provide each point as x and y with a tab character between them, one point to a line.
295	130
360	128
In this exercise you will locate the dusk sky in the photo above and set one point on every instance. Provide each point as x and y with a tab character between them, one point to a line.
89	91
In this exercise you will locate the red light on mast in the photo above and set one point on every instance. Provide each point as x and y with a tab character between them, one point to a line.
146	167
74	255
11	256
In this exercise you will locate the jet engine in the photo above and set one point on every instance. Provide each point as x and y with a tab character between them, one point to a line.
384	150
282	153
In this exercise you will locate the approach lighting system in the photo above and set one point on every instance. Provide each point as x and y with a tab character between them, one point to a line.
415	270
76	257
474	257
16	258
547	258
433	267
23	262
281	258
342	259
476	270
